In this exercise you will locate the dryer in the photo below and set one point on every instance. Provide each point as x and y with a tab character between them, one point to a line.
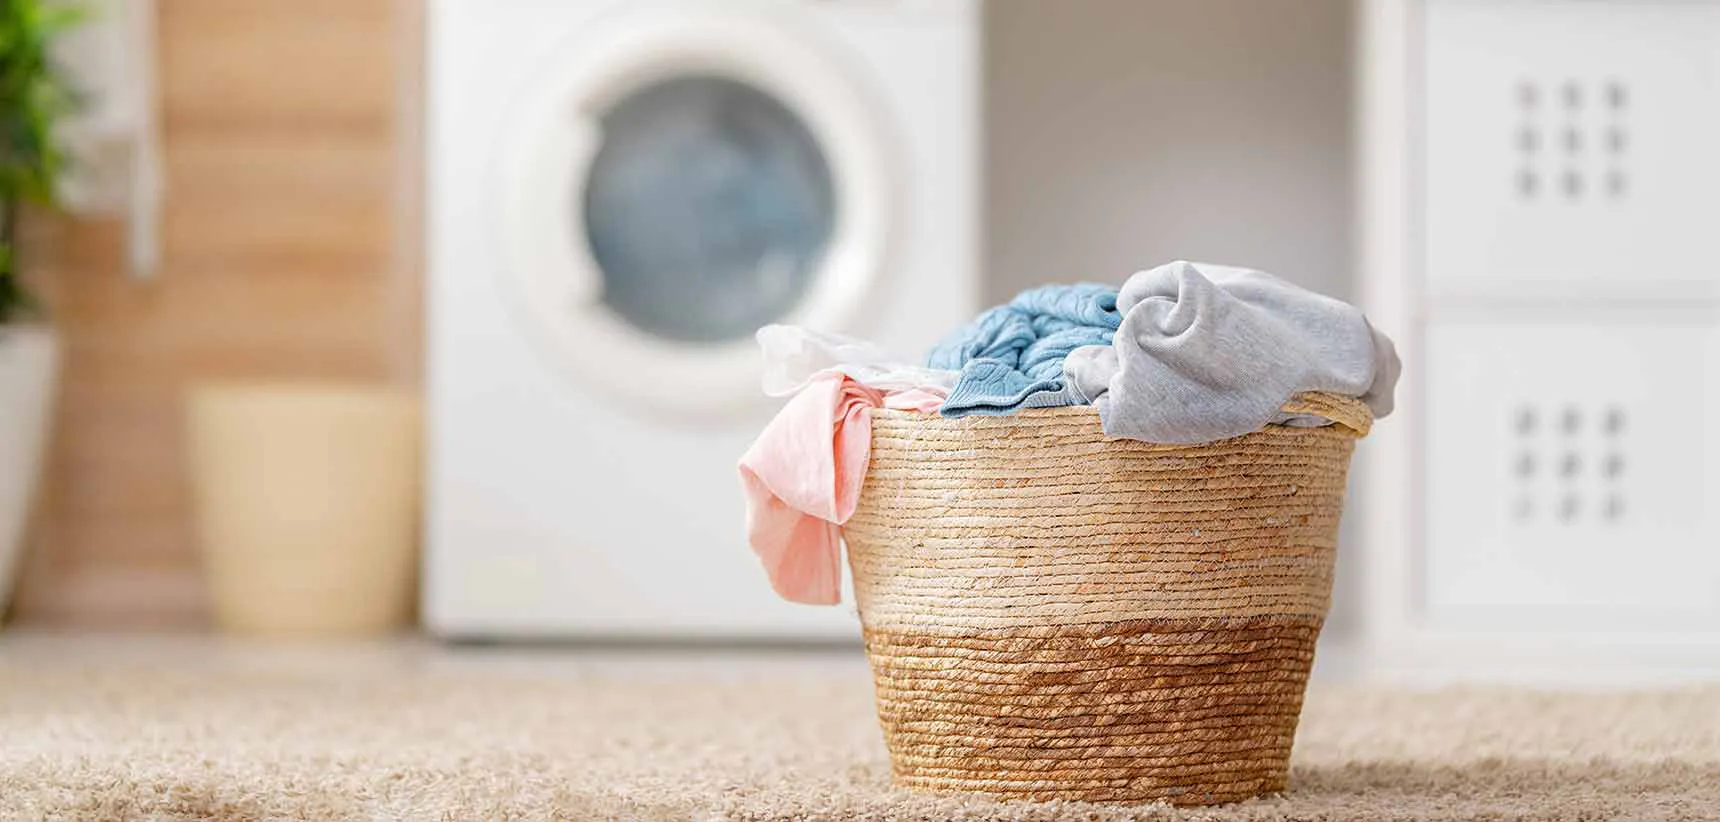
619	193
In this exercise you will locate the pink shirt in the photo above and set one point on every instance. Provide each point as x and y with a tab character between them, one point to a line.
802	478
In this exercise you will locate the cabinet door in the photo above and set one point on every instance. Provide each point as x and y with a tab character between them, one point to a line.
1570	471
1571	145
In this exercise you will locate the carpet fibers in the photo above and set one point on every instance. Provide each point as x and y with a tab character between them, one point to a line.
132	740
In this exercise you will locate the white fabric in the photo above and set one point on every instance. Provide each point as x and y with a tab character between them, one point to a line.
792	355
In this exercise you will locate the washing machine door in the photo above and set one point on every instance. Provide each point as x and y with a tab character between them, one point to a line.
681	178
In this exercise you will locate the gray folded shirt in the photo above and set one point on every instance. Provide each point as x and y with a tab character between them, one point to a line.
1207	352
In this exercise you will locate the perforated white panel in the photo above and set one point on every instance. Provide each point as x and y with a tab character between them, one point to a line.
1570	473
1571	145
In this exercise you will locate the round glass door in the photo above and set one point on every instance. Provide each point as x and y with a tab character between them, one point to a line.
708	209
672	182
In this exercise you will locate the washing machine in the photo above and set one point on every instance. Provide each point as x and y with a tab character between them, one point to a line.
619	194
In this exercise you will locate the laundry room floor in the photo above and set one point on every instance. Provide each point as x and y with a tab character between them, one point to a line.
197	728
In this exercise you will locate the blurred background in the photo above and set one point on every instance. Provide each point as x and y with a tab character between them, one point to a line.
388	316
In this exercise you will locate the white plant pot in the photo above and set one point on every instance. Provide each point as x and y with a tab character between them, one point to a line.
29	361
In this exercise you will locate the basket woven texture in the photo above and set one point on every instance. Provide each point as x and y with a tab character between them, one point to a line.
1051	614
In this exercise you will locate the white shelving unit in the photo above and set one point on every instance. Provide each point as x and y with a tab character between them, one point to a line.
1539	197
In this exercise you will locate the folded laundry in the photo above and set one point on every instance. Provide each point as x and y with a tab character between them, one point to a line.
793	355
802	479
1011	356
1206	352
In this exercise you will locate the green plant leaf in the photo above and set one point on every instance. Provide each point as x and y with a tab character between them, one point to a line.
34	98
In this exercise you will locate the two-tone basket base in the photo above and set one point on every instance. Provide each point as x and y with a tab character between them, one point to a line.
1191	712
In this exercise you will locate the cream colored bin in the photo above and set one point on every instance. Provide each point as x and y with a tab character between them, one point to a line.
307	504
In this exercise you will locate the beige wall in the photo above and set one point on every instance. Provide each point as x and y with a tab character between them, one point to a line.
1124	133
282	260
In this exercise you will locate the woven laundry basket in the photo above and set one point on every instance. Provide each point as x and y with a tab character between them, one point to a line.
1051	614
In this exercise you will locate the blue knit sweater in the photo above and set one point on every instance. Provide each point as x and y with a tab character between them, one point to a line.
1011	356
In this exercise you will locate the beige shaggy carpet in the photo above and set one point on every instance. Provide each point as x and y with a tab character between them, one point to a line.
135	739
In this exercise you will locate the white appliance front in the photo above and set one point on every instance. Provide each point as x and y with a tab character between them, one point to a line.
619	194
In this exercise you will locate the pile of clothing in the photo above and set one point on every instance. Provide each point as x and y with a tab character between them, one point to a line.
1182	353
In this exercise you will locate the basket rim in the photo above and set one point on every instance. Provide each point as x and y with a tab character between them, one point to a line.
1350	416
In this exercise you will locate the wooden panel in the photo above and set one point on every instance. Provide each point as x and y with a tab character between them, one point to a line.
277	203
289	254
317	67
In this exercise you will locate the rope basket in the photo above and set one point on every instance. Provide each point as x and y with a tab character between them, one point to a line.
1051	614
